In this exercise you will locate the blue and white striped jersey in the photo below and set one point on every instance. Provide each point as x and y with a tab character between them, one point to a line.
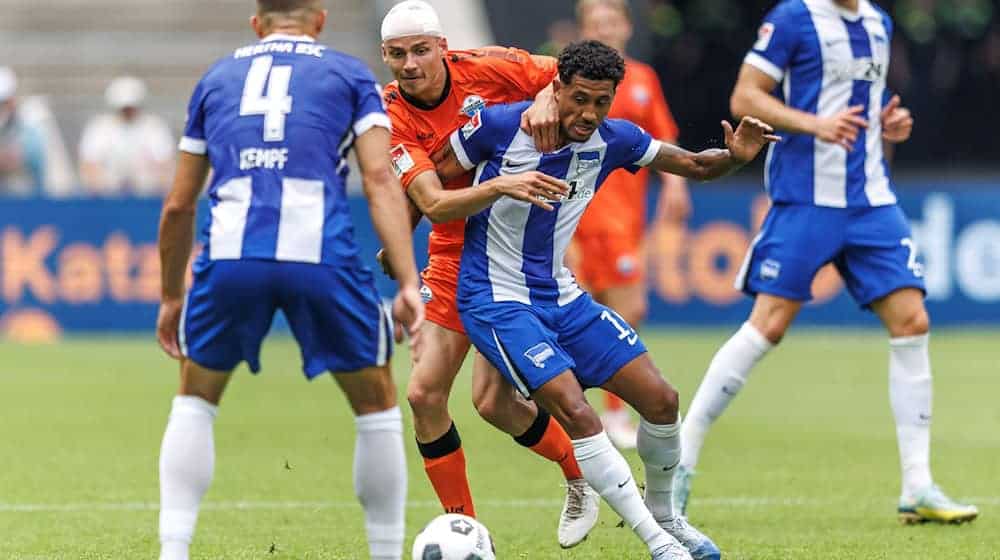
276	120
514	250
827	59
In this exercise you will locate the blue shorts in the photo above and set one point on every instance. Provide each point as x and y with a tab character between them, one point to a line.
872	249
334	313
530	345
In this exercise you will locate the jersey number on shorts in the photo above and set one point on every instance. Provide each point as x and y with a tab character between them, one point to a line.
911	261
624	331
273	104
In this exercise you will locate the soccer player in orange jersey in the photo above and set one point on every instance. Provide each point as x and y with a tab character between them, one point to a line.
437	91
610	236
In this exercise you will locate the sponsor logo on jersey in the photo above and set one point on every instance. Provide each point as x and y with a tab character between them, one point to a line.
472	105
426	294
402	161
474	124
770	269
539	353
764	35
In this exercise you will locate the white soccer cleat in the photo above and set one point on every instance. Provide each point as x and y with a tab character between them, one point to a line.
579	513
622	432
672	551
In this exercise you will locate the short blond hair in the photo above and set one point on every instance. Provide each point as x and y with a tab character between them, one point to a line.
582	6
271	11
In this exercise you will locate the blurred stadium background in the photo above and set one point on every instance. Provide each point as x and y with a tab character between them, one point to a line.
79	273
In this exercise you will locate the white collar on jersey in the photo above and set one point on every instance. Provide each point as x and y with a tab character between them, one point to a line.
863	10
286	37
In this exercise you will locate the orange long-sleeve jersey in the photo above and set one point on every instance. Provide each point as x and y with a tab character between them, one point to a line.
476	78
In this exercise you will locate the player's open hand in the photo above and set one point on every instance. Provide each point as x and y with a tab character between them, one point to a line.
408	314
749	138
385	264
842	128
897	122
167	323
541	122
532	186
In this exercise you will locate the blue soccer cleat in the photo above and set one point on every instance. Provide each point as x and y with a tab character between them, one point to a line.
934	506
700	546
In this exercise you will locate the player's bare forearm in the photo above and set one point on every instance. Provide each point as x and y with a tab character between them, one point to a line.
176	235
444	205
702	166
752	98
387	204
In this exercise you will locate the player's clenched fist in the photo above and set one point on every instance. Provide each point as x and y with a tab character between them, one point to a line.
749	138
167	322
842	128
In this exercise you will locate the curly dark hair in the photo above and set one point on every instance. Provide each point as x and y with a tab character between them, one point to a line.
592	60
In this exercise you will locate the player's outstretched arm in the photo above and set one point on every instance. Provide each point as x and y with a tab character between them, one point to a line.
741	147
752	97
176	239
389	213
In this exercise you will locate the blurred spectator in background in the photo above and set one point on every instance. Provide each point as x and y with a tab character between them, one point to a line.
559	34
126	151
22	145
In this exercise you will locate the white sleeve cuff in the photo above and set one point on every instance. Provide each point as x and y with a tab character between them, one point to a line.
193	145
764	65
648	157
370	121
459	149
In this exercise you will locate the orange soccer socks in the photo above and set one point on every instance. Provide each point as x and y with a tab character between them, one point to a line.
547	438
612	402
444	463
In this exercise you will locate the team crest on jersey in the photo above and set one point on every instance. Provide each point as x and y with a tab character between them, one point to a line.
770	269
472	105
640	95
474	124
587	160
402	161
764	35
539	353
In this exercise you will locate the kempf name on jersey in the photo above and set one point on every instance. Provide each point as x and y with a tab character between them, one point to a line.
268	158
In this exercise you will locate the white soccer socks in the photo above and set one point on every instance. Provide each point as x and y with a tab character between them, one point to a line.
660	450
380	481
910	396
726	375
607	472
187	460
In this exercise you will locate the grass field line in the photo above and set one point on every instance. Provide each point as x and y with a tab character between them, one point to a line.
735	501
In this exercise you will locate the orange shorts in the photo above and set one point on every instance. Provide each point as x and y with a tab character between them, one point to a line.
609	261
439	290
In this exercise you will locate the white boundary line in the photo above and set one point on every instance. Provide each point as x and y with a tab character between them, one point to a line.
735	501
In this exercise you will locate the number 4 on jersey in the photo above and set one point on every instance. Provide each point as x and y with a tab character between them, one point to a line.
275	104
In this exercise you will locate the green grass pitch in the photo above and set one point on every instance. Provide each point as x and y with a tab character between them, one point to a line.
804	465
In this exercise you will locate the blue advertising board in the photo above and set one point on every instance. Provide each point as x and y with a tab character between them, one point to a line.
92	266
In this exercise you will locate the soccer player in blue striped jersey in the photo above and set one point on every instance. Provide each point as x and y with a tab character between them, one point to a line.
818	72
524	311
274	121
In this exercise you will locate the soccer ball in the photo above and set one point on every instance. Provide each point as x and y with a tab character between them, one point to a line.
454	537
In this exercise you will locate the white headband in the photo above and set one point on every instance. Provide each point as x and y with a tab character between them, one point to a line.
409	18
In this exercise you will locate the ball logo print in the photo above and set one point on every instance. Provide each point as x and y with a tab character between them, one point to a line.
454	537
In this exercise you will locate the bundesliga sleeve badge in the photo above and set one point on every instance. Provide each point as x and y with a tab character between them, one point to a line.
402	161
764	35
